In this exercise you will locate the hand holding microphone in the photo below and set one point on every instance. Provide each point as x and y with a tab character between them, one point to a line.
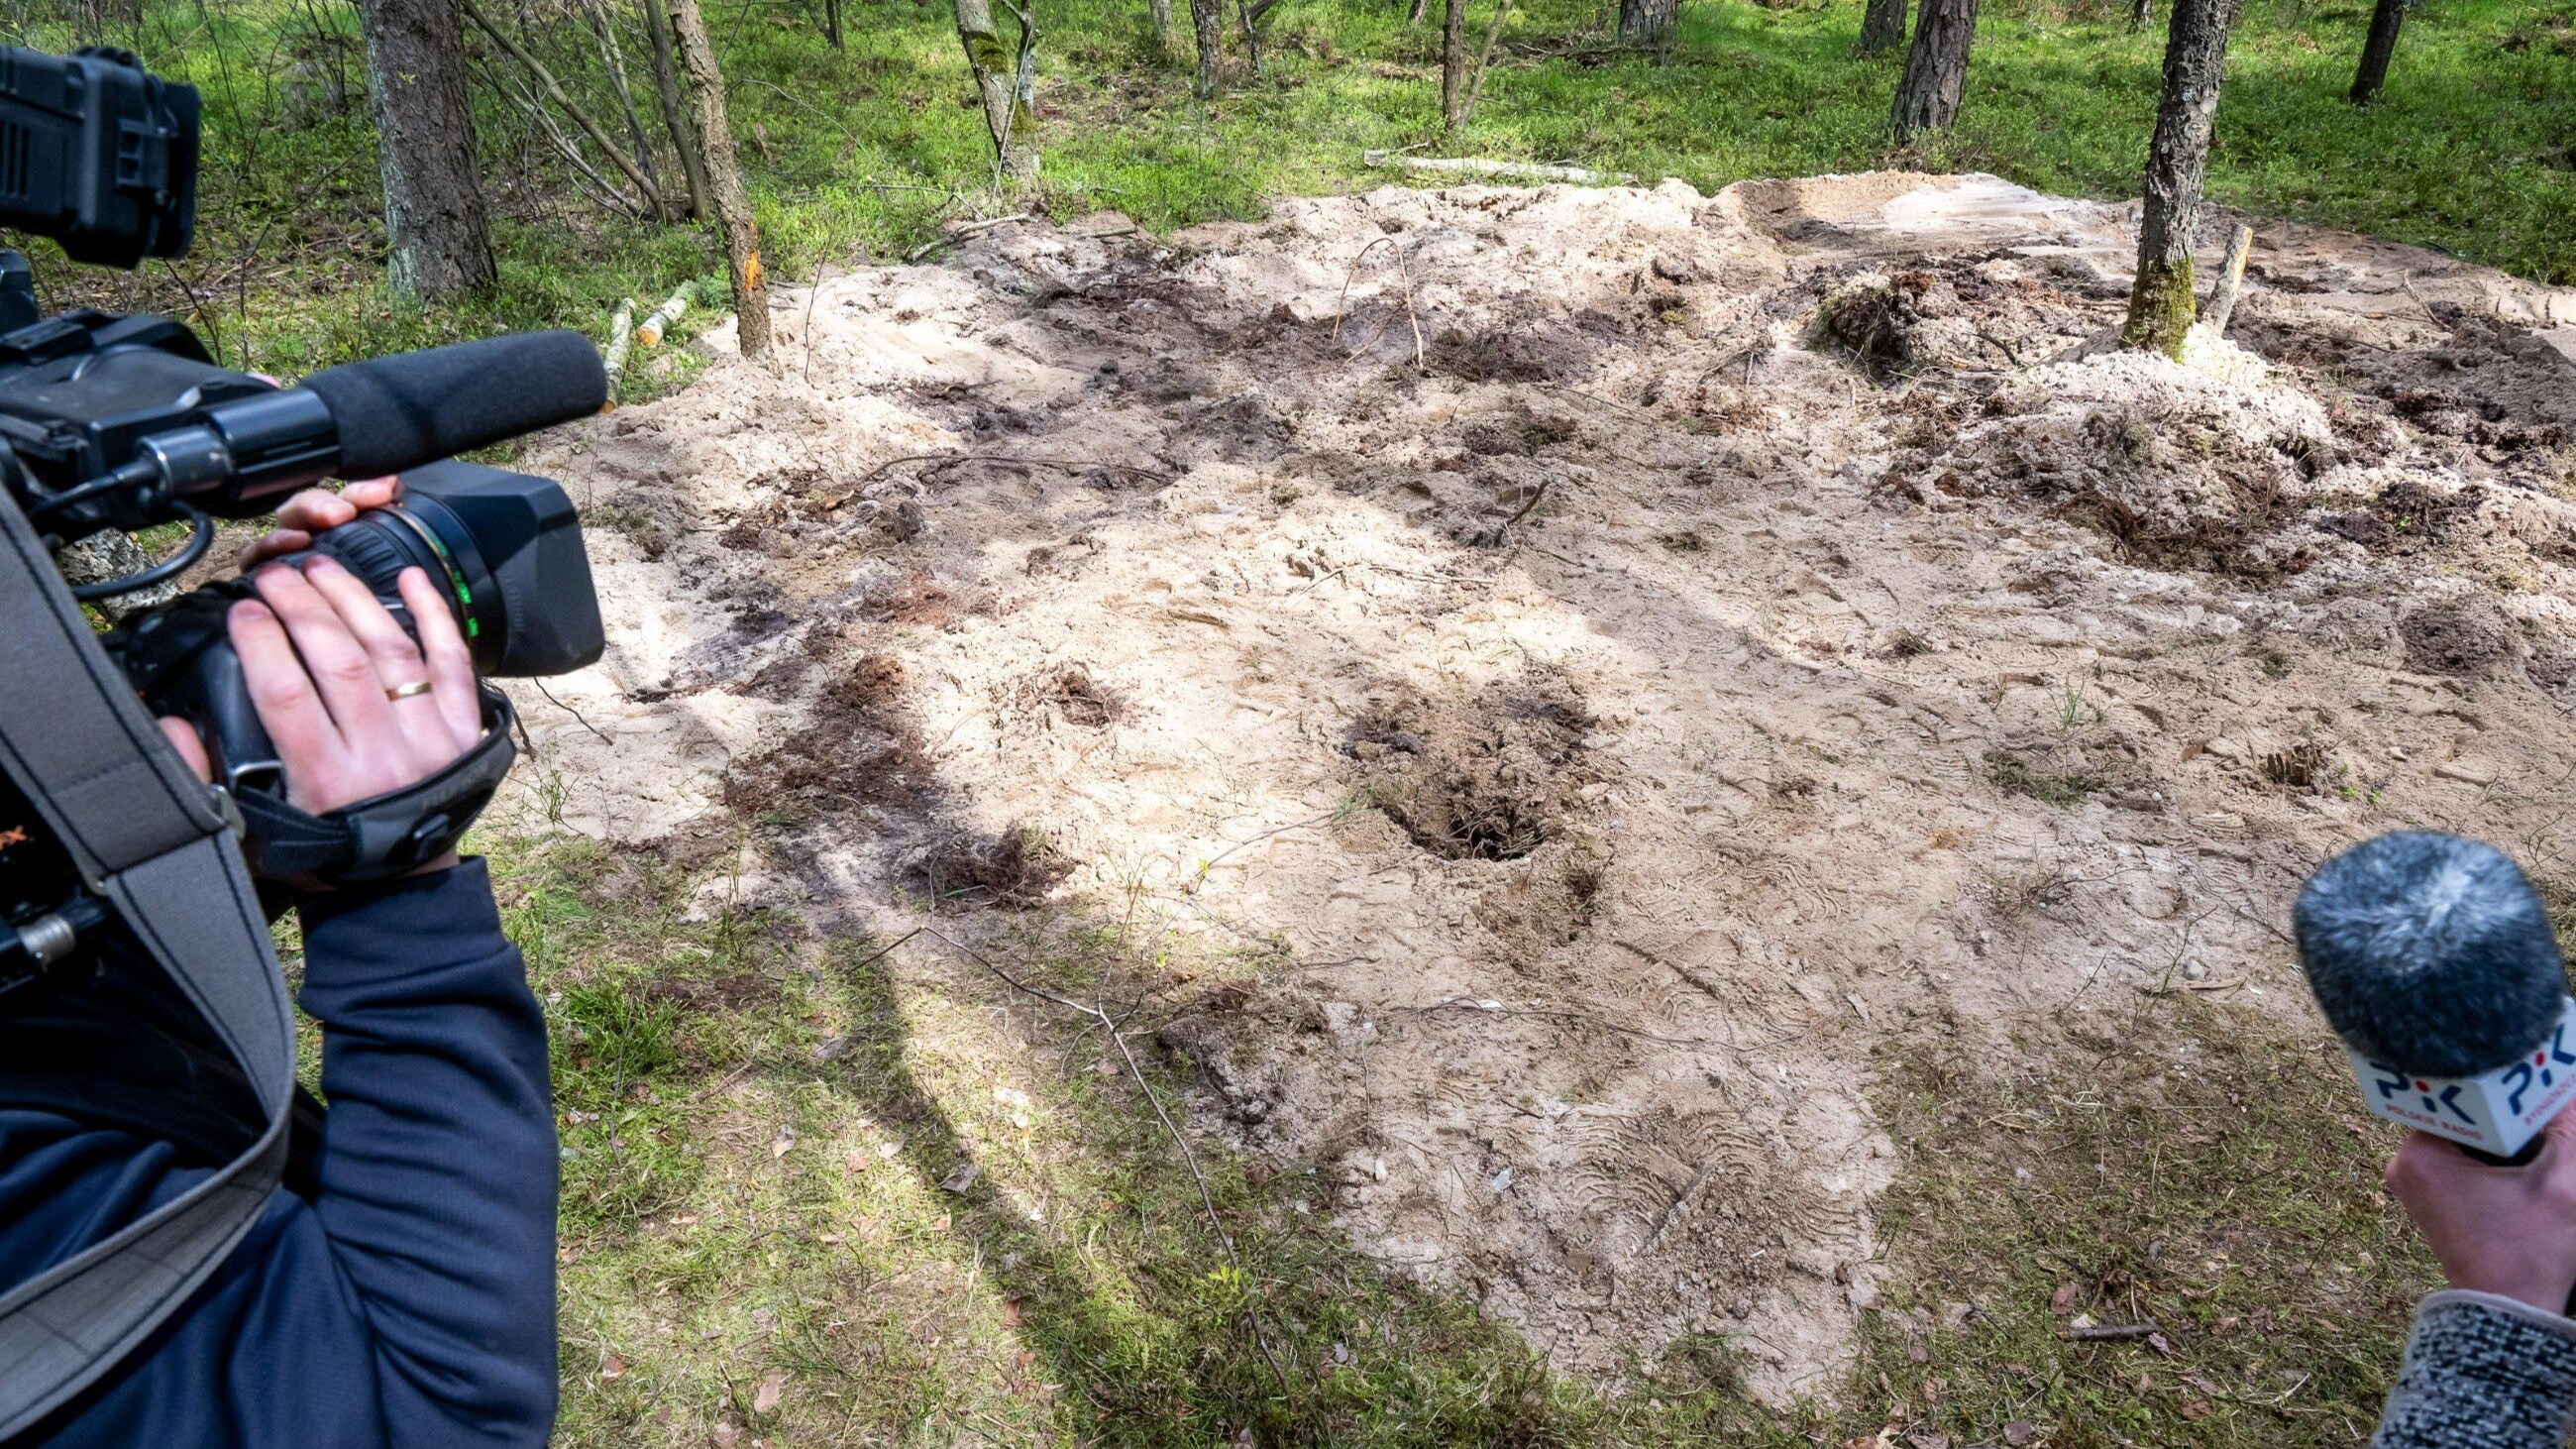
2432	957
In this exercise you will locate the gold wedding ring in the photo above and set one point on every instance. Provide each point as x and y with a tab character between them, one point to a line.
406	691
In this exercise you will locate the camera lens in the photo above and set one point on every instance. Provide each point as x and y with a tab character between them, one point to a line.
425	534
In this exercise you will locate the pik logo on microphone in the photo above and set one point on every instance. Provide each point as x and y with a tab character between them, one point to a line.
2496	1111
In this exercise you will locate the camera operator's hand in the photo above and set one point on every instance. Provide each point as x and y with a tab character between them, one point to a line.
335	681
2504	1230
314	510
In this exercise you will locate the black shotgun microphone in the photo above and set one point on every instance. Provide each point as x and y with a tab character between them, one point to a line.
365	419
2432	957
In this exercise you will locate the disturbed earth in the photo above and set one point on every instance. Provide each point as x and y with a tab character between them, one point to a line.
1590	668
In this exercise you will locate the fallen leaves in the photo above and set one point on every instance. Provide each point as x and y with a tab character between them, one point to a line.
773	1388
611	1369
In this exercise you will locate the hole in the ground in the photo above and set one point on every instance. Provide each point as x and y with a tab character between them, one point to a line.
1491	776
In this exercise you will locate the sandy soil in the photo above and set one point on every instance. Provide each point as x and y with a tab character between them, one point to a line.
1620	726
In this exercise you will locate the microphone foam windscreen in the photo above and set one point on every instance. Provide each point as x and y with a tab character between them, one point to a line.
2430	953
412	408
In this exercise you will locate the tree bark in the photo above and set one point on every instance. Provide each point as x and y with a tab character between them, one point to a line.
1167	36
1647	22
999	81
2385	17
1936	68
438	237
724	176
675	112
1207	26
2140	12
1453	63
832	22
1882	26
2160	303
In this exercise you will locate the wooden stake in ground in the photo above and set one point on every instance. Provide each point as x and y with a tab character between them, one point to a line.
2221	307
2160	302
675	113
1207	27
2385	18
724	176
439	237
1882	26
1007	120
1648	23
1936	68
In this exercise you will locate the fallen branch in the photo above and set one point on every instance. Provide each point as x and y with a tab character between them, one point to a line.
621	340
1476	166
2113	1333
960	233
555	92
663	318
1421	358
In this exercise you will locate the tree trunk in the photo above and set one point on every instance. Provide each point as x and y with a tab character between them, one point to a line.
2385	17
1882	26
1647	23
832	22
438	239
1207	24
2160	303
1167	36
2140	12
1936	68
675	113
616	57
999	81
1453	63
724	176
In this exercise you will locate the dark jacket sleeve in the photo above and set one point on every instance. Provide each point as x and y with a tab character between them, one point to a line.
411	1301
438	1159
2482	1372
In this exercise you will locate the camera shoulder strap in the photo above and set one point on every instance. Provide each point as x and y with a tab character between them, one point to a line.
146	835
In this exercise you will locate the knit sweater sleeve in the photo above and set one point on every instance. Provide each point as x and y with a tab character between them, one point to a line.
2482	1372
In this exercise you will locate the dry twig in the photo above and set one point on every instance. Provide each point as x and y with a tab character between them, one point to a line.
1421	359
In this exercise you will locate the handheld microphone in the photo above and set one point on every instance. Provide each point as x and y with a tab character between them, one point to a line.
2432	957
366	419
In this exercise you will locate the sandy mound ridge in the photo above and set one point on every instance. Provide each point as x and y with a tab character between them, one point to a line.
1612	732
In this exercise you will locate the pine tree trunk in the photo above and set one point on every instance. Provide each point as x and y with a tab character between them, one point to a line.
1207	25
1936	68
2385	17
724	176
997	82
438	239
1453	63
675	112
1647	23
1882	26
2160	303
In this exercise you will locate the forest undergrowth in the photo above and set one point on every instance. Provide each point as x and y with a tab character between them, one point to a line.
862	154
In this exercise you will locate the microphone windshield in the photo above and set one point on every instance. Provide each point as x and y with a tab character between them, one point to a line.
411	408
2430	953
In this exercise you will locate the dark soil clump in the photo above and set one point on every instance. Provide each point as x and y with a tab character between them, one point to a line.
859	747
1490	778
1014	869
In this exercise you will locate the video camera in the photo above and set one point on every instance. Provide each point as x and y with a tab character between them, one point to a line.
123	422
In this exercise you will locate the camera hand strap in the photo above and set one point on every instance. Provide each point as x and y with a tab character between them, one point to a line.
145	834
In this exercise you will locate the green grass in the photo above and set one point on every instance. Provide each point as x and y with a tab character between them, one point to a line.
2473	148
764	1128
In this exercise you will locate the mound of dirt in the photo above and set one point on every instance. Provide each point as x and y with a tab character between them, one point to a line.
1762	632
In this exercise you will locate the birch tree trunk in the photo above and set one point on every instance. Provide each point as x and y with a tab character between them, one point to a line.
724	176
1936	68
2385	18
2160	303
675	112
1207	25
1167	36
438	236
1882	26
616	57
1647	22
1453	63
1000	82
